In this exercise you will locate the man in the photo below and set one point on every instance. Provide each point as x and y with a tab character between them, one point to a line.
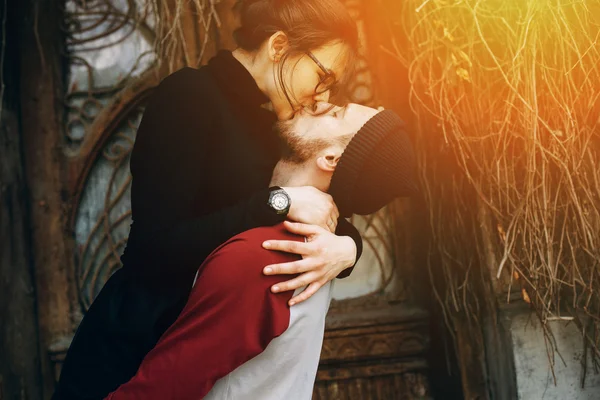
251	344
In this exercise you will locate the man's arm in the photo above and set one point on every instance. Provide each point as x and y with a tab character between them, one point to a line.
231	317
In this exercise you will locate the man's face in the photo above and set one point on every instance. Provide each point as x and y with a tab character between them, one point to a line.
338	121
306	134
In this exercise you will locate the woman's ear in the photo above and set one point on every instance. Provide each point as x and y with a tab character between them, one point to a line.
277	45
328	161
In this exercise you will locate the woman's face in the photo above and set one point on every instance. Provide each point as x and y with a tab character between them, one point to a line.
306	81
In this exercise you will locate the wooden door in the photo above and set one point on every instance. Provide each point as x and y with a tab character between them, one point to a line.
375	340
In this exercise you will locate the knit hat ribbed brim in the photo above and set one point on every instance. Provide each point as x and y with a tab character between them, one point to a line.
376	167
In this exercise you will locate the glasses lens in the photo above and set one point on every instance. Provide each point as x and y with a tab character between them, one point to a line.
327	83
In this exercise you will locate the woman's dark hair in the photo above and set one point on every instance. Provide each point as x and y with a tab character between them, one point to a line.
308	24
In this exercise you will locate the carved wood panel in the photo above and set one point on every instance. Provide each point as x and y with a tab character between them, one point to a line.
111	71
373	347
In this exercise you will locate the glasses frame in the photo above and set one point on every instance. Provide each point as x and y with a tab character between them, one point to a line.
328	81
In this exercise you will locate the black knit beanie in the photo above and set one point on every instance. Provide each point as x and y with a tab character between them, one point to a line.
376	167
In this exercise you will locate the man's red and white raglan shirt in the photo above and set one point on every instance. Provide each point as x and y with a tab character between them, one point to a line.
235	339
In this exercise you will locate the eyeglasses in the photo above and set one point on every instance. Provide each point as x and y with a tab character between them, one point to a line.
328	81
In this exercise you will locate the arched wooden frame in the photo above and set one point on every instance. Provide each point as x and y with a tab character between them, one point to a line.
101	131
396	332
103	127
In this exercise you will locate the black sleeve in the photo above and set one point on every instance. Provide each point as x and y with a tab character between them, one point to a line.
345	228
189	242
169	162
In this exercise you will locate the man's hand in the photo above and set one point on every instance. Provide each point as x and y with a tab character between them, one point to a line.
324	256
311	206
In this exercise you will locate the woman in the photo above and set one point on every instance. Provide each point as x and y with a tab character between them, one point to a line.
201	164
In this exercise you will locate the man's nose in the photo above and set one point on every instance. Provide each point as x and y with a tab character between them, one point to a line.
322	97
321	108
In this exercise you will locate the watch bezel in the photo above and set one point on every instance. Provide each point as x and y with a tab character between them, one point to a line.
275	191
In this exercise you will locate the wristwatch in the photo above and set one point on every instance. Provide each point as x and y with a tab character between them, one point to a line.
279	200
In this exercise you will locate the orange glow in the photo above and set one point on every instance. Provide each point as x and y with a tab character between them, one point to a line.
512	87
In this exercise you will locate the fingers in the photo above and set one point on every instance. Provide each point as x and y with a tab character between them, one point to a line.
302	229
330	215
298	282
306	294
294	267
312	206
332	225
335	212
288	246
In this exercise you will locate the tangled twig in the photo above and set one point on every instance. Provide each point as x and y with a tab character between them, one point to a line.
512	88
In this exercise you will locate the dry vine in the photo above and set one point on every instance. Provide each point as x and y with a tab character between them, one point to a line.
185	29
116	49
513	89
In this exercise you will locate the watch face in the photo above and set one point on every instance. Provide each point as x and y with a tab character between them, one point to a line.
279	201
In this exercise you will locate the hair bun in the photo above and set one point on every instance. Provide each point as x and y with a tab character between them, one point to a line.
309	24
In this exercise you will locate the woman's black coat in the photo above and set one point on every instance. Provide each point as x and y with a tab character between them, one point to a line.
201	166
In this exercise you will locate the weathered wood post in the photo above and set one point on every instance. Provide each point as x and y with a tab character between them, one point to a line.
19	355
42	94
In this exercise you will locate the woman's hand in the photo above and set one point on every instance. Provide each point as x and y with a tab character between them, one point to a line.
324	256
313	207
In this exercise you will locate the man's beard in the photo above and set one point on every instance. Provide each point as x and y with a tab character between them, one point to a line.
295	148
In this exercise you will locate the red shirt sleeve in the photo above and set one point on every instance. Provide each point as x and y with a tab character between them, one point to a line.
230	317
